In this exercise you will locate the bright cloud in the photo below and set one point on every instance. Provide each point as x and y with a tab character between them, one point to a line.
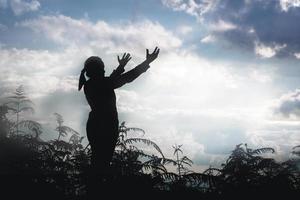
297	55
208	39
100	35
191	7
287	4
222	26
267	51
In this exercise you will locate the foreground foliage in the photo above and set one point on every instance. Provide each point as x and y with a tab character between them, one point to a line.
59	169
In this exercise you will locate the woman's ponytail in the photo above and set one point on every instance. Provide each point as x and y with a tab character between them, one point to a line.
82	79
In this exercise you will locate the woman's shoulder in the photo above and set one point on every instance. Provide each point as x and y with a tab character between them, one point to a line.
92	83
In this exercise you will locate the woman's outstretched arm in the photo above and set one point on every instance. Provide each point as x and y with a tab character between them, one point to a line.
137	71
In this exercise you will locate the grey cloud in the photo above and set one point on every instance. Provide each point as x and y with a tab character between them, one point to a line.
20	7
289	105
268	22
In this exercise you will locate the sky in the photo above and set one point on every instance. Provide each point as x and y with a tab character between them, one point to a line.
227	73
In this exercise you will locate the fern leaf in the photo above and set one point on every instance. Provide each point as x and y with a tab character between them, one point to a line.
27	109
145	141
263	150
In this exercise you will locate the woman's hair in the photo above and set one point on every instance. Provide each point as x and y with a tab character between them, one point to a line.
93	66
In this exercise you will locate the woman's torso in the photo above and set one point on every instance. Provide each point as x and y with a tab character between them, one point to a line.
101	98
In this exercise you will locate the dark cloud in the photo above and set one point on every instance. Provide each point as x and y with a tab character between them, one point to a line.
247	23
259	21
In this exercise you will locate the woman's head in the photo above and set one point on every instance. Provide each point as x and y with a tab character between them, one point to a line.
94	67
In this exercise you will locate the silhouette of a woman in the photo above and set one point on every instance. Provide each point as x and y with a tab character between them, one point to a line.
102	125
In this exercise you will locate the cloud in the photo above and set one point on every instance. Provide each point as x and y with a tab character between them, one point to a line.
191	7
288	4
267	51
222	26
184	29
100	35
243	23
297	55
288	106
208	39
263	78
29	66
21	6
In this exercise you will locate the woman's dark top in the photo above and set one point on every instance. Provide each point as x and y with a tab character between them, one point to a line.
101	97
100	93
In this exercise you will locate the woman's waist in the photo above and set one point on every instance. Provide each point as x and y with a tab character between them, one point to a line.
103	113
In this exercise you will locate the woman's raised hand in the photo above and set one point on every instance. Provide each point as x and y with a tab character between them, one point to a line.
124	60
151	57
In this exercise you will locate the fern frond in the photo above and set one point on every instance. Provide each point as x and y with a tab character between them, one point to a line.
169	161
211	171
295	147
27	109
65	130
263	150
170	176
145	141
30	124
153	167
134	129
186	160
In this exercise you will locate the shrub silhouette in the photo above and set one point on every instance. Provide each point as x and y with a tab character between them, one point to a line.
62	169
59	169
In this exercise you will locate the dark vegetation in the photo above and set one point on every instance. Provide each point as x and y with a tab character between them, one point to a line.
58	169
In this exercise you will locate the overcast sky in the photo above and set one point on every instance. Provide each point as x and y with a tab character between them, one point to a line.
228	70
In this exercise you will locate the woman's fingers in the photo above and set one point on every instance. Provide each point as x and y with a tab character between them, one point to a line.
157	52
